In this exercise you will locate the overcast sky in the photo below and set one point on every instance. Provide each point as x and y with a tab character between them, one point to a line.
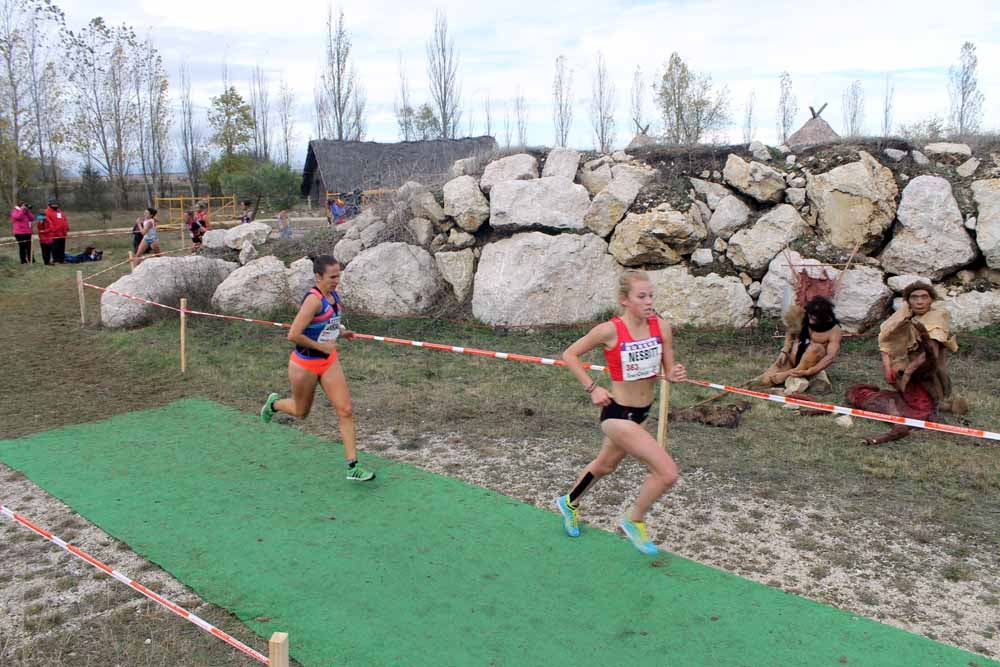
509	47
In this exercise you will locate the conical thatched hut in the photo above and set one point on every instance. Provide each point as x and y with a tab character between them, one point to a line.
343	166
816	131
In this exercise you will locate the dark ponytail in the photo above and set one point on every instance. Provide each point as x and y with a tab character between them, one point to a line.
321	263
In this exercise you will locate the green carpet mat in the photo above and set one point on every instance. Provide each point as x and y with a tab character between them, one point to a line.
414	568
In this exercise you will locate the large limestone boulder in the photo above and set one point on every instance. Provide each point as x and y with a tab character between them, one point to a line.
347	249
520	167
754	179
260	287
610	205
639	172
252	232
712	192
854	203
973	310
753	248
596	174
392	280
706	301
463	167
300	278
862	298
457	269
353	228
533	279
930	238
464	201
778	284
248	253
987	196
214	239
550	203
730	216
422	231
424	205
162	280
943	149
561	162
660	236
372	234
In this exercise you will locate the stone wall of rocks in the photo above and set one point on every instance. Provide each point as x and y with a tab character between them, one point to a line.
533	239
543	244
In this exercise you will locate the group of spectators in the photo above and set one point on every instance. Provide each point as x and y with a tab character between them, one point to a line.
51	226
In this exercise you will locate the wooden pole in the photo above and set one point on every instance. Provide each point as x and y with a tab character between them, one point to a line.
83	302
661	428
184	305
277	649
131	262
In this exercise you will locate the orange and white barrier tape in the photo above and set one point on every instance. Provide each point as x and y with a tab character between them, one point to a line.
473	351
545	361
853	412
160	600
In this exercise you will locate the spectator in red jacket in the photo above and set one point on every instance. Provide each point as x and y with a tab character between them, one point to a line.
45	237
55	219
22	218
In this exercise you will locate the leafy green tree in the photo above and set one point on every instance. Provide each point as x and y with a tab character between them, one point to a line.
231	121
276	186
426	123
225	167
92	192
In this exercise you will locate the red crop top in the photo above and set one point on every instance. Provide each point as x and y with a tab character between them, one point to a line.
635	359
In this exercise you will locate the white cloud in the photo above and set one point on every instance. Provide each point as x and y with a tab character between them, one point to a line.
512	46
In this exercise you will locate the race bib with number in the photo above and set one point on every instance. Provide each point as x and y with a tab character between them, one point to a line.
331	331
641	359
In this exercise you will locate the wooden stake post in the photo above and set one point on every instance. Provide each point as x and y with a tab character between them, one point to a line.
184	305
277	649
661	427
83	303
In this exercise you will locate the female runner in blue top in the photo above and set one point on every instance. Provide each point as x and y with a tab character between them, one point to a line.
638	347
315	331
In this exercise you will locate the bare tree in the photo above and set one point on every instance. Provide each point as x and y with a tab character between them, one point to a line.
562	101
521	118
472	124
887	103
340	81
286	119
357	125
602	106
636	98
788	106
19	132
507	126
442	71
854	109
689	106
963	89
46	88
100	61
488	115
405	114
153	117
192	153
321	108
748	117
260	112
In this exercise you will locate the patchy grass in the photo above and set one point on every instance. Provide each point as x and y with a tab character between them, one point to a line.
918	486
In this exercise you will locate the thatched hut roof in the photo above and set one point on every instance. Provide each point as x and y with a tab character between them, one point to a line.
816	131
343	166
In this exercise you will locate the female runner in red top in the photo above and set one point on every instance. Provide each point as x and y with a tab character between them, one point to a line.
638	347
